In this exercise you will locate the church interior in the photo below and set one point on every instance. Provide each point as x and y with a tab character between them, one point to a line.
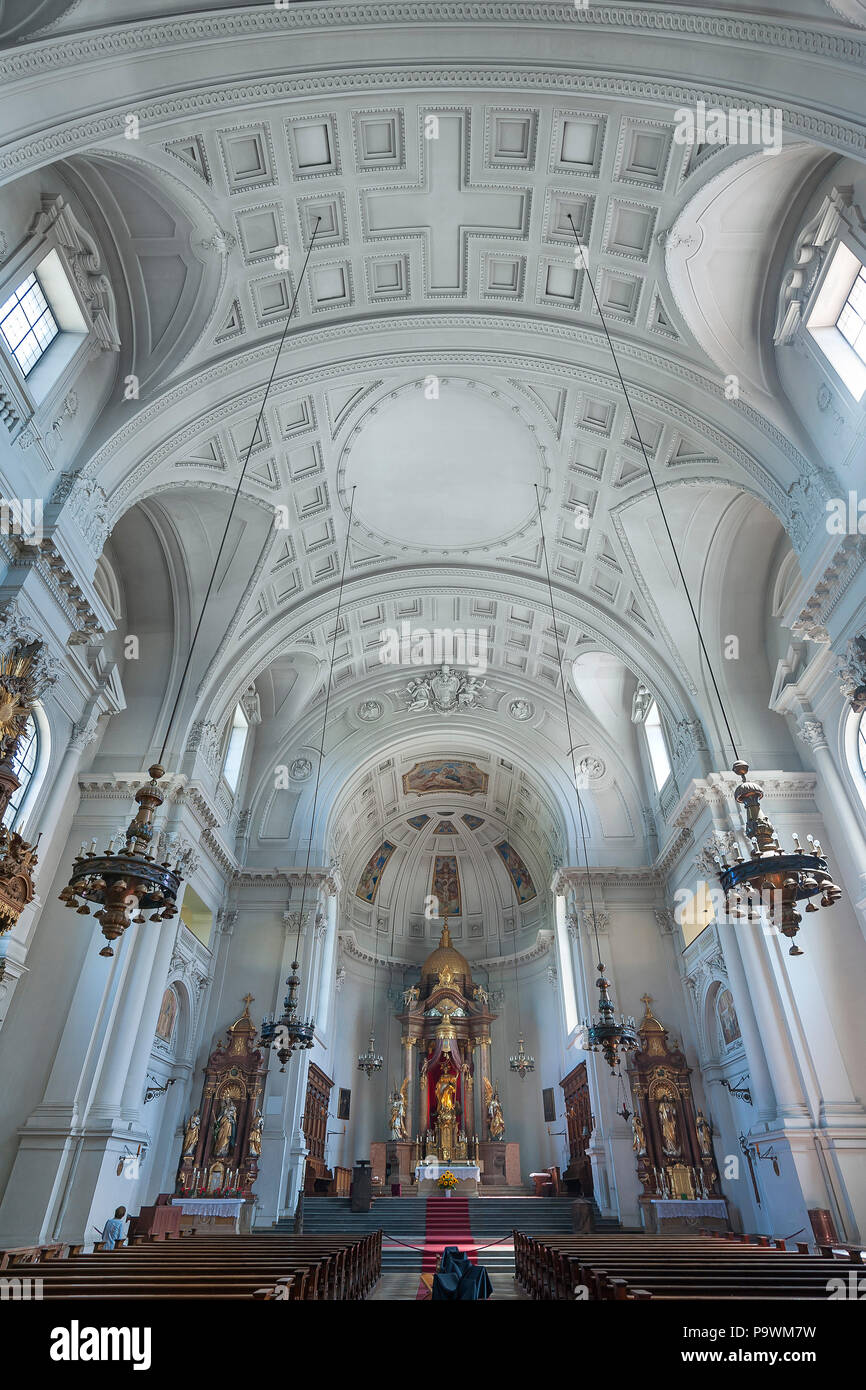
432	651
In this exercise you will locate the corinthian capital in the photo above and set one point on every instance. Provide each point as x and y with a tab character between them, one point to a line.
811	731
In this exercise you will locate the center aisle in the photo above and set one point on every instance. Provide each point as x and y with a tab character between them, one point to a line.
447	1224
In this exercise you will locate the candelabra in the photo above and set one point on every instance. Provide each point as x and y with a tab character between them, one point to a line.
131	878
289	1034
371	1060
521	1062
786	878
604	1034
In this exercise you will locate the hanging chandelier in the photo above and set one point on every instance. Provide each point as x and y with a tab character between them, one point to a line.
769	878
370	1061
288	1034
604	1033
521	1062
126	881
786	878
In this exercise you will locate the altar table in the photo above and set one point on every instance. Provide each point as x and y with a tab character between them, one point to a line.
468	1176
217	1212
671	1213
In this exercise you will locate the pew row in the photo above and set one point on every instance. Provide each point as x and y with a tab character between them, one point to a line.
639	1267
289	1267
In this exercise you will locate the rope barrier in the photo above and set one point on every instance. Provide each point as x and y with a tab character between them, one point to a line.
485	1246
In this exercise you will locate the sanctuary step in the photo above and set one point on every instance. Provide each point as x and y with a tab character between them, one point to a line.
406	1220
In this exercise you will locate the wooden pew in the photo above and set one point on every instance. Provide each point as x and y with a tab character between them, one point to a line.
622	1267
265	1267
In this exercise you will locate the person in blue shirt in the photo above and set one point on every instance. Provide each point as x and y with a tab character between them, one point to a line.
112	1231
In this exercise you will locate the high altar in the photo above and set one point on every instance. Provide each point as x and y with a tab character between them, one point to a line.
447	1111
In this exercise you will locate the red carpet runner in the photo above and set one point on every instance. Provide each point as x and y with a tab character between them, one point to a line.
447	1224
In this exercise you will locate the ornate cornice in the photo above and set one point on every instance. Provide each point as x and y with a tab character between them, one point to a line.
351	946
829	590
143	36
540	946
604	876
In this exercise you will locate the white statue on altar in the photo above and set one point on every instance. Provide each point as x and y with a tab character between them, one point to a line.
397	1116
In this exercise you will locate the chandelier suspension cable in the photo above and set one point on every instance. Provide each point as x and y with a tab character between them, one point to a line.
521	1062
134	877
295	1032
231	513
605	1034
371	1061
321	758
575	778
639	437
788	878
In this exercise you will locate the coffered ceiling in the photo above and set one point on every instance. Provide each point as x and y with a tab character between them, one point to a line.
446	372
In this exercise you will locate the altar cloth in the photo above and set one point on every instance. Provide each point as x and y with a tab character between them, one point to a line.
209	1206
701	1206
463	1172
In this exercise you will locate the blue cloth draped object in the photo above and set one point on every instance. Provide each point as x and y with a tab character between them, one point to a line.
459	1279
112	1232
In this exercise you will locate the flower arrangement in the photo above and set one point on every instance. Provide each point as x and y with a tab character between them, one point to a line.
446	1181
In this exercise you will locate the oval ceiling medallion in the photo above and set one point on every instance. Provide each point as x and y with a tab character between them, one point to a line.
446	468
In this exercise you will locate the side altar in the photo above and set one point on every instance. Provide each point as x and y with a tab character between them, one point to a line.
222	1138
447	1110
672	1141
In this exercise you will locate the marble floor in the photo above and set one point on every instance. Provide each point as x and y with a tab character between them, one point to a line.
403	1287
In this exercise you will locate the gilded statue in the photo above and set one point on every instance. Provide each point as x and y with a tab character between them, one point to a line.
225	1130
495	1118
446	1093
190	1138
411	996
256	1135
705	1134
668	1122
639	1136
397	1115
480	995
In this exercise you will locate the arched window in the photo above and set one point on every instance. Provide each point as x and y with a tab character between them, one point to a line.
25	763
855	755
657	747
235	748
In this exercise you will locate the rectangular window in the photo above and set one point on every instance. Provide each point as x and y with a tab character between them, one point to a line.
851	322
837	318
27	324
655	739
